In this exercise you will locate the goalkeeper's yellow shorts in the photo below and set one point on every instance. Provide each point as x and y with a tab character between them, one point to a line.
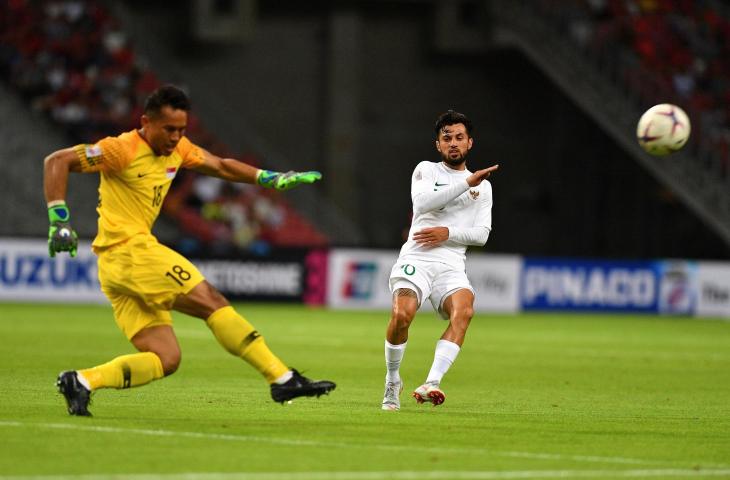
142	279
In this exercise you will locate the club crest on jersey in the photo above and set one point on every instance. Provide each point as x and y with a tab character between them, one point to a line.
170	172
92	151
474	194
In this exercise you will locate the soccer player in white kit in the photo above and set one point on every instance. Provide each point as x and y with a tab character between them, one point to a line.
452	208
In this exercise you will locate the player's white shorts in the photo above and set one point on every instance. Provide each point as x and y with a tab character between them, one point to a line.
433	280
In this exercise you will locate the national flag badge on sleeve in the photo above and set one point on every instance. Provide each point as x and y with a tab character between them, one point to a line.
92	151
170	172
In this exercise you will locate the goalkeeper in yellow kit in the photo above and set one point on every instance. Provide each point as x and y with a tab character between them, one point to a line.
143	279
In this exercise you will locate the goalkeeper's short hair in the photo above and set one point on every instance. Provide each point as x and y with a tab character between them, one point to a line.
167	95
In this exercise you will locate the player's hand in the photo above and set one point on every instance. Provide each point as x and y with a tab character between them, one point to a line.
476	178
431	236
61	237
286	181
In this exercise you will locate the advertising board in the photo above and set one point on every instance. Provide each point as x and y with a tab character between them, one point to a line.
27	273
665	286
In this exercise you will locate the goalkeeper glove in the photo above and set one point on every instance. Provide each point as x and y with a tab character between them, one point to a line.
285	181
61	237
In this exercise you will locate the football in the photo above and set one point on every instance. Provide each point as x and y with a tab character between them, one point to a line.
663	129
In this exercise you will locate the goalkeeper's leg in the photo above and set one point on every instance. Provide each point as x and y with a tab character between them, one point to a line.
159	356
233	332
240	338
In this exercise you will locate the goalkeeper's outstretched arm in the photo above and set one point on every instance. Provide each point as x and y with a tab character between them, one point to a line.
236	171
56	167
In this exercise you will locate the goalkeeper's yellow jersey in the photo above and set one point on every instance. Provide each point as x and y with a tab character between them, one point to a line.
134	182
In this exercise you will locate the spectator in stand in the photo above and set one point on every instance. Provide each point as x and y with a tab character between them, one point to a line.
72	61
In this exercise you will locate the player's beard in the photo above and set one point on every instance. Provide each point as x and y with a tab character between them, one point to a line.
454	162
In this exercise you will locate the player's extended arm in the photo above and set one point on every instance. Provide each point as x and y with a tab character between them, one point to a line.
426	200
56	166
477	177
478	233
236	171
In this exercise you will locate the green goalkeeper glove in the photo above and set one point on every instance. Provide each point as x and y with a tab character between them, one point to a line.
285	181
61	237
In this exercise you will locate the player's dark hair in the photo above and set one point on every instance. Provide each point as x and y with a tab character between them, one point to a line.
167	95
452	118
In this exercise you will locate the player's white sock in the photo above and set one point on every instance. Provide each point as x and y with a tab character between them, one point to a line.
83	381
393	357
444	357
284	378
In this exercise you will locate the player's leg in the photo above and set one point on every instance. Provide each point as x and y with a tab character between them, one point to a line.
409	284
404	308
167	280
453	298
232	331
141	278
159	355
150	332
162	341
241	339
405	305
459	306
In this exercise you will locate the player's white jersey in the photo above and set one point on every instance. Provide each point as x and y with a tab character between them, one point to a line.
442	198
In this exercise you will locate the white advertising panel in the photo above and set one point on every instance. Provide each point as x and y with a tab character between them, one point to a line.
359	279
27	273
496	281
713	279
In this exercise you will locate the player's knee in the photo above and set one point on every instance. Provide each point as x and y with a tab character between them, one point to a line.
209	299
215	298
170	361
460	319
402	317
201	301
169	358
462	314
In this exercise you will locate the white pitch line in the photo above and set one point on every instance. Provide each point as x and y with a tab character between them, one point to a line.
319	444
393	475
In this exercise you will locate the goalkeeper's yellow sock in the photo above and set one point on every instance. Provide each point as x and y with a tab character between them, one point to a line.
241	339
125	371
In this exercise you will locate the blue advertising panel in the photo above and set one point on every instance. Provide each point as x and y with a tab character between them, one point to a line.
27	273
668	287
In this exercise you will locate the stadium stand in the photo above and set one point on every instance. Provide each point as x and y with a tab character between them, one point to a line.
72	62
662	49
616	58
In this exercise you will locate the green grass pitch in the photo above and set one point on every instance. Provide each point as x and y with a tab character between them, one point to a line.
531	396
